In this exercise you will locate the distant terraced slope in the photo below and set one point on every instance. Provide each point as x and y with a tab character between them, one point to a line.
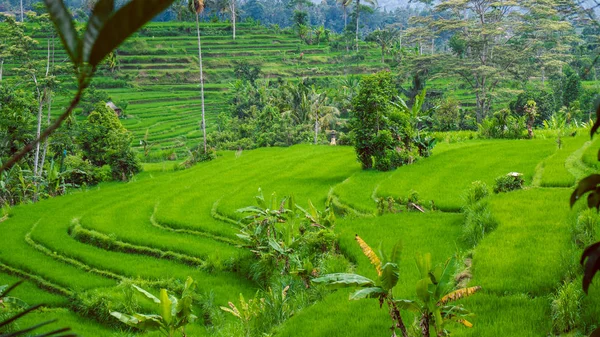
158	74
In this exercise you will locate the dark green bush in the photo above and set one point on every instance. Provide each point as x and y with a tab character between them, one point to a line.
510	182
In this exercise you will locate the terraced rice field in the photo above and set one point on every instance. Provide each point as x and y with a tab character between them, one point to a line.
165	226
158	74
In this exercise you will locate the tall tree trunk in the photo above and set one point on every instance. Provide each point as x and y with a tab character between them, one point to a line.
46	143
345	17
47	94
21	10
432	45
201	83
382	54
357	15
543	77
1	68
316	126
233	16
40	99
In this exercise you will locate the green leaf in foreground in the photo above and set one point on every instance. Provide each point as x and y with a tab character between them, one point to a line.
126	21
342	280
66	29
101	13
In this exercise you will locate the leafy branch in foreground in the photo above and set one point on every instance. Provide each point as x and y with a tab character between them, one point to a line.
590	258
105	31
9	303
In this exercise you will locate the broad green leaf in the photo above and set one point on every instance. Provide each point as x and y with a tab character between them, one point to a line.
165	306
66	29
587	184
445	280
149	322
250	209
423	289
407	305
373	292
423	264
344	280
102	11
390	274
126	21
127	319
396	251
382	255
14	302
147	294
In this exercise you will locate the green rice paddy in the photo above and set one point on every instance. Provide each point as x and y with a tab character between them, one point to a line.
175	224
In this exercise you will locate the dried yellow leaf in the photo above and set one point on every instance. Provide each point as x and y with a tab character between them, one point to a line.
465	323
370	254
458	294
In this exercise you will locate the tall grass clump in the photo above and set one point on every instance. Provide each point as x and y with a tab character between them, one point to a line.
476	192
585	228
479	220
566	307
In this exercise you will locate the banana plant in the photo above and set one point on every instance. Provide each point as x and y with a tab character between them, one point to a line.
388	274
317	218
175	313
262	221
435	292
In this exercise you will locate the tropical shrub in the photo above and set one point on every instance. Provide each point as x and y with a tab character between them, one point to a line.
544	102
285	238
510	182
502	124
447	116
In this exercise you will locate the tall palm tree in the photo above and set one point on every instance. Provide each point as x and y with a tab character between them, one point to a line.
321	111
197	7
372	2
232	10
384	38
345	4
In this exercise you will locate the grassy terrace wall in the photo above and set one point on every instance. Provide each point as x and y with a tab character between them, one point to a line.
164	226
